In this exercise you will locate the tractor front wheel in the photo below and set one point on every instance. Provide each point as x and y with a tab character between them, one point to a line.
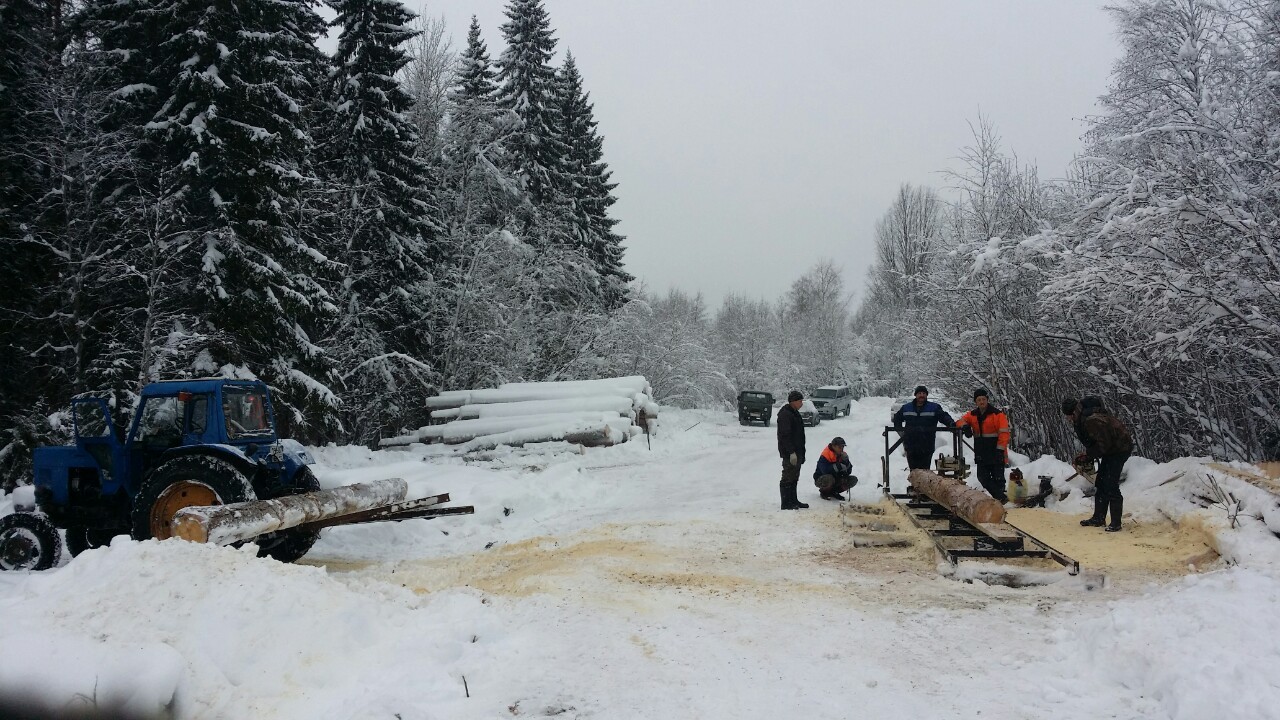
290	545
28	542
81	538
189	481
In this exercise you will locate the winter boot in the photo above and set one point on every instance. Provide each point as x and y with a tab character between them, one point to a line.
794	499
1117	511
1099	513
786	498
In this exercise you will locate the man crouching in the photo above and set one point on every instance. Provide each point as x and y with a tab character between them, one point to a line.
834	473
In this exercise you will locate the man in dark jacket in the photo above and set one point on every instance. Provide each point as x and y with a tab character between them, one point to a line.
989	428
834	473
791	449
1107	440
917	421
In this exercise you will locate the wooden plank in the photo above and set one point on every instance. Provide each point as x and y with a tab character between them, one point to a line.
1000	532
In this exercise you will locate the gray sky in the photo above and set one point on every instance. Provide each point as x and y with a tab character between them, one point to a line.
752	139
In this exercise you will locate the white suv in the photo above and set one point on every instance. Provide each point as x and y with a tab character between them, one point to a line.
833	400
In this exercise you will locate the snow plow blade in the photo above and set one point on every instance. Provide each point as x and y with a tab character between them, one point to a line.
360	503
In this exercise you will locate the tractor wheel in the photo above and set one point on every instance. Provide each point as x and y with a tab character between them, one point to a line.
28	542
183	482
81	538
290	545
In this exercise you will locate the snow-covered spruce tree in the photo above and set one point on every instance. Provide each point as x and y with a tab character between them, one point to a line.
527	88
478	194
586	186
385	238
234	86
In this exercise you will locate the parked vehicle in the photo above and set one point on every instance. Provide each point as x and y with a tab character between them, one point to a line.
754	406
833	401
809	414
193	443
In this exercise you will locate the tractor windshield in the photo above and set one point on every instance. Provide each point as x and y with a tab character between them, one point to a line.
245	410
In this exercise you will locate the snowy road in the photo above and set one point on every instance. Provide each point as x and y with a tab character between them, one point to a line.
632	583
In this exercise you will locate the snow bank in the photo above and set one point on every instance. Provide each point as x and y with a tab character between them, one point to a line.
1202	647
200	631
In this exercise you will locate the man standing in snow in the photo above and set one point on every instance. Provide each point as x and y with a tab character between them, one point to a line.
791	448
989	428
1107	440
917	421
834	473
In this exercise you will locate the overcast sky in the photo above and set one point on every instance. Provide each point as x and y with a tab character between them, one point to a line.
752	139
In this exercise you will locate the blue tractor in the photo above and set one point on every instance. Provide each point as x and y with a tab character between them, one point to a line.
191	443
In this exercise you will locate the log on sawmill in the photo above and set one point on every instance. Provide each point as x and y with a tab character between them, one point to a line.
237	522
974	506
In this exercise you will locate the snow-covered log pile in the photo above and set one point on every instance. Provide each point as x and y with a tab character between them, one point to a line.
584	412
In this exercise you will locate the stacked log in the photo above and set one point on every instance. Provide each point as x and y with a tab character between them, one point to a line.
584	412
975	506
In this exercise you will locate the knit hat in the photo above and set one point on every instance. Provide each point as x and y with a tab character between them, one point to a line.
921	389
1069	405
838	441
981	392
795	395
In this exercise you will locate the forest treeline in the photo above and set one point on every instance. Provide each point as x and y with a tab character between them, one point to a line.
186	191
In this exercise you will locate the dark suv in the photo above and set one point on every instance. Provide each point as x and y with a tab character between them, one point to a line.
833	400
754	406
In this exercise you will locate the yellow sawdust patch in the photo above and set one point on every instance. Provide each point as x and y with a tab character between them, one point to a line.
1154	548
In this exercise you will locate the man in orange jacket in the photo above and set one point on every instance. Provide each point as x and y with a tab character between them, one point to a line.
989	428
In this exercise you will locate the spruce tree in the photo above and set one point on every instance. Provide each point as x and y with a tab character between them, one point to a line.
385	240
528	89
233	81
586	183
476	77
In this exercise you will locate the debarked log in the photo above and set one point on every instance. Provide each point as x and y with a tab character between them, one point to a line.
237	522
972	505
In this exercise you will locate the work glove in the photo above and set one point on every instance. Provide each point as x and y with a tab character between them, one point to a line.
853	480
1082	459
795	461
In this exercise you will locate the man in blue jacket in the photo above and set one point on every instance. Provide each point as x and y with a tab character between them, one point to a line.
917	422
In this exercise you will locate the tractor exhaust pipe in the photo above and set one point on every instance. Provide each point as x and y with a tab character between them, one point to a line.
237	522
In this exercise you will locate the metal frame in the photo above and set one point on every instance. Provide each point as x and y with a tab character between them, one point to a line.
958	444
926	514
923	512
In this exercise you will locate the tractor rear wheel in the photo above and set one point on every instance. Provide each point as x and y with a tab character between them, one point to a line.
188	481
290	545
28	542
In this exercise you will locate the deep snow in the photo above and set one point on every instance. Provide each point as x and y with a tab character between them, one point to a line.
629	582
